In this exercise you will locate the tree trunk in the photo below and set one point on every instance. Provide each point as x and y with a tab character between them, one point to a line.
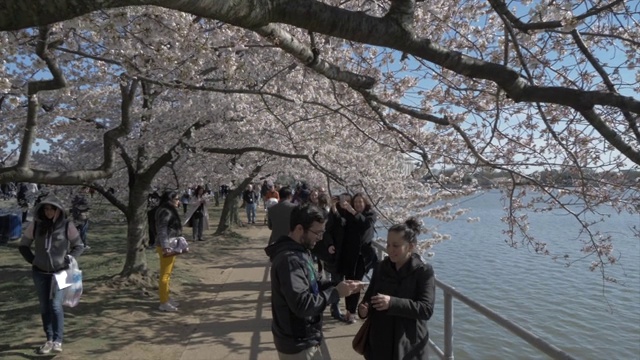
136	260
137	232
229	215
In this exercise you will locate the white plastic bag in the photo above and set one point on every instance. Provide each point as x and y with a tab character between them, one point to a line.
178	245
72	293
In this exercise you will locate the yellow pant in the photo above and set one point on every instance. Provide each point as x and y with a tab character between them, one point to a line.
166	267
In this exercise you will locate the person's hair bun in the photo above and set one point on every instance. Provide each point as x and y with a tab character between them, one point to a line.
413	224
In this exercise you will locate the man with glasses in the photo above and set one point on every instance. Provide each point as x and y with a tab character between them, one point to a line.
298	295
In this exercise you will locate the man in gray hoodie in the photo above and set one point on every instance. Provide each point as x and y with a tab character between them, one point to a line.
52	235
298	295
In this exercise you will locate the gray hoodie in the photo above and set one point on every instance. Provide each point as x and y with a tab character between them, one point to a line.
53	239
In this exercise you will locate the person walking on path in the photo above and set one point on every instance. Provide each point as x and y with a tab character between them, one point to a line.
198	217
184	199
80	213
55	238
279	215
400	299
298	295
250	201
168	226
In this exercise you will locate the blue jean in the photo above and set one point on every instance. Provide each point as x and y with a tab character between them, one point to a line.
82	229
50	298
251	213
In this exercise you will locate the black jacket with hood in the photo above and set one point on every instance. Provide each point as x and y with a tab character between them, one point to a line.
298	297
400	332
358	234
168	225
53	238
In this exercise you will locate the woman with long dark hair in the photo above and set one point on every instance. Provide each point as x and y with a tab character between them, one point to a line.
357	255
198	217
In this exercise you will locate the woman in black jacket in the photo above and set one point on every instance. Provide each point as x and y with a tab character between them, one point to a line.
357	255
400	299
168	226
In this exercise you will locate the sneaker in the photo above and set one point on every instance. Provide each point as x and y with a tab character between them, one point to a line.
87	247
167	307
57	347
175	303
46	348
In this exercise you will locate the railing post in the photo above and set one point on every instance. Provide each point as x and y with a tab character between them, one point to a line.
448	326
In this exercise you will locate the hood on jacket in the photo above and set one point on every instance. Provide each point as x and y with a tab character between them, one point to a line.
53	200
285	243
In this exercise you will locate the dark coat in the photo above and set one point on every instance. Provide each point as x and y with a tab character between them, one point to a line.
333	236
168	224
401	333
358	235
279	216
298	297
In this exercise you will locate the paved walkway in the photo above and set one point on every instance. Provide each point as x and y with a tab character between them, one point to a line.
235	320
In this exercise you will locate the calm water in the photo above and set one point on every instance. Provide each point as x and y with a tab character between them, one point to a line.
566	306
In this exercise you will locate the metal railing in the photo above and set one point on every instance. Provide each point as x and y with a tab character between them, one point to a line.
450	293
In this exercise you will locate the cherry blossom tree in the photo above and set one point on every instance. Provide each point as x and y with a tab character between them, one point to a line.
342	89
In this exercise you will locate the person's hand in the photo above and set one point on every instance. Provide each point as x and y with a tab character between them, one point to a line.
167	252
363	310
345	205
380	302
331	249
347	287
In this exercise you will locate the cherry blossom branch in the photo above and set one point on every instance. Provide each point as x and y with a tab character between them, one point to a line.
333	21
405	109
186	86
33	87
309	159
500	7
633	121
287	42
22	169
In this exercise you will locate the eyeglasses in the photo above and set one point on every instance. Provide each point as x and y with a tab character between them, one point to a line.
317	234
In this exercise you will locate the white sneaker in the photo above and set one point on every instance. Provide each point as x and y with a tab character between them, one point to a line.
46	348
173	302
167	307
